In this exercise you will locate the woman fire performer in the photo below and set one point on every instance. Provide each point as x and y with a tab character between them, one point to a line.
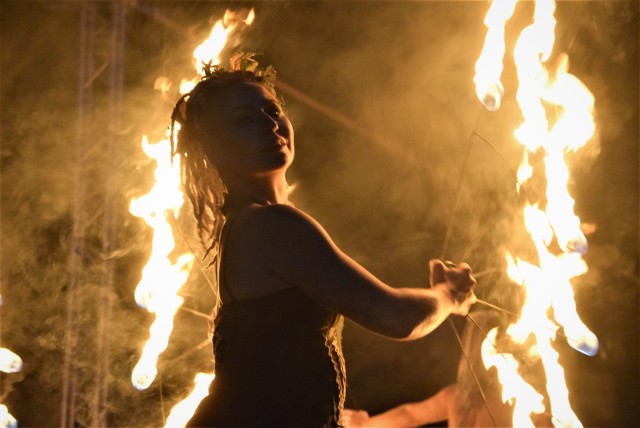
283	284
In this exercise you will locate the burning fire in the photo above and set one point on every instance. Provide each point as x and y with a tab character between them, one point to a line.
182	412
162	278
551	223
489	64
210	49
6	420
10	362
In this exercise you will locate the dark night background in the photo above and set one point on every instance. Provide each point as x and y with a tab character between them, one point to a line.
384	187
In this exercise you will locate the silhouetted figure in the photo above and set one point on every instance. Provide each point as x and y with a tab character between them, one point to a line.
284	285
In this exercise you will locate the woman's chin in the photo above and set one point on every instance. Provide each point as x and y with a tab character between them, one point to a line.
277	165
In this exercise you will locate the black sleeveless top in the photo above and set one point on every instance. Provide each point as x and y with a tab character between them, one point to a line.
278	363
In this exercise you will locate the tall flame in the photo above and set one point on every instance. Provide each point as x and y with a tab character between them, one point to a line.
10	362
515	390
489	65
182	412
6	420
551	222
162	278
210	49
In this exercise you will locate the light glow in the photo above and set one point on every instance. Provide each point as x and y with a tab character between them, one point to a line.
6	420
551	223
182	412
489	65
162	278
209	51
10	362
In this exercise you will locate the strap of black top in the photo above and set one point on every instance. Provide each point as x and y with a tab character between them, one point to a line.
222	274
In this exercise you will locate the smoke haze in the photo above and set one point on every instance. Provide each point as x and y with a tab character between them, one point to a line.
387	190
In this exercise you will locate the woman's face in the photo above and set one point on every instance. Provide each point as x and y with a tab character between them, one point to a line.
251	134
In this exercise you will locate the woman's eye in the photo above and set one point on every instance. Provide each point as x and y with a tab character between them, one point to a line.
274	112
242	120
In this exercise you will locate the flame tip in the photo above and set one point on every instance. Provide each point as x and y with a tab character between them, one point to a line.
587	344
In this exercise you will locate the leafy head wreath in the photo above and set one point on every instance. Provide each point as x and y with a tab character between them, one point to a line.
201	181
242	66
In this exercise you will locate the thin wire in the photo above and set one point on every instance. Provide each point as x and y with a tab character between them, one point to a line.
486	272
463	171
486	337
473	372
196	348
498	308
473	245
164	419
444	249
501	156
468	251
491	305
196	313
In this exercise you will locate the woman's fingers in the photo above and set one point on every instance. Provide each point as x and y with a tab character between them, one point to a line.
461	277
436	272
459	280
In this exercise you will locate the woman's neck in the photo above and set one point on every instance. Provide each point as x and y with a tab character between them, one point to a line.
256	190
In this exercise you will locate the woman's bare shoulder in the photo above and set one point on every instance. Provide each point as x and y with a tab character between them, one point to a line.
281	234
278	218
275	211
264	240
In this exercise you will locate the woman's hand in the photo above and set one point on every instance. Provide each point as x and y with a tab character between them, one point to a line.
354	418
457	281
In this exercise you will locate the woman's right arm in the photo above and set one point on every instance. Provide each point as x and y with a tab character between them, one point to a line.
299	252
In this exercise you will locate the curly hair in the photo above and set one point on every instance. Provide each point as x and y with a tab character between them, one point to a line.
201	179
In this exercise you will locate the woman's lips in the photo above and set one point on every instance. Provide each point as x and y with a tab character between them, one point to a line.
277	145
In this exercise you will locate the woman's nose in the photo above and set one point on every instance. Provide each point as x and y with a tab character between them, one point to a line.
270	124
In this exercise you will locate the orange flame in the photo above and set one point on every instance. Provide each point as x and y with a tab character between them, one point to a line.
515	390
161	278
9	361
548	284
182	412
163	84
210	49
489	65
6	420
